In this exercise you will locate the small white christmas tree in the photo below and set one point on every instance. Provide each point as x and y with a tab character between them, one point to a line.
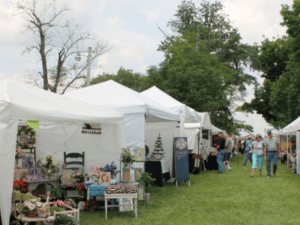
159	149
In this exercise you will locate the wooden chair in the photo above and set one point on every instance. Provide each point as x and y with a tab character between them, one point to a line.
74	155
18	214
73	165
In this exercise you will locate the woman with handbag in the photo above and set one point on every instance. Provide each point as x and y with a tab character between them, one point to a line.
257	154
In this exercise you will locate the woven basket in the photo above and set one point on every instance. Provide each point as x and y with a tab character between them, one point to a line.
32	214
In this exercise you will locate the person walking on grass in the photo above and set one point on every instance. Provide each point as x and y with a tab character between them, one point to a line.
228	149
257	154
271	152
220	149
232	147
247	150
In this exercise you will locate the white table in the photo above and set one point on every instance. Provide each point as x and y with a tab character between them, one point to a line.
120	196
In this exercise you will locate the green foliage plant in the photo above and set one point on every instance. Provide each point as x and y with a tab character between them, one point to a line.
57	193
127	159
64	219
146	180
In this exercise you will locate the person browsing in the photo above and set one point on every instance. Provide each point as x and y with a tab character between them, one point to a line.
258	154
271	152
221	150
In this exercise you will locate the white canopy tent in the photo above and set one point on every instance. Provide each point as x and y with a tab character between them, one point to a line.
143	116
19	101
188	115
192	131
215	130
294	129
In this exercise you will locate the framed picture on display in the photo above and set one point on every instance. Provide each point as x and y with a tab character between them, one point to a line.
126	205
104	178
138	172
126	175
139	154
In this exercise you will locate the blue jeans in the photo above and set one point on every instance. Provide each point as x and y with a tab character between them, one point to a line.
220	156
272	156
248	156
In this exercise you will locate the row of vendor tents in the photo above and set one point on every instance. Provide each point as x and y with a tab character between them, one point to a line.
127	118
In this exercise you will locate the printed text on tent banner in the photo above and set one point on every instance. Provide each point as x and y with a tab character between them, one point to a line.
92	128
181	159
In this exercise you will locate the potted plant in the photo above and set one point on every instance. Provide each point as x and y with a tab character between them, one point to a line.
112	168
50	163
30	208
127	159
78	176
58	206
64	219
146	181
57	193
20	185
90	205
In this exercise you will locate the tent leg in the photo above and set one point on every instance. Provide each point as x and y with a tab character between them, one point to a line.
176	184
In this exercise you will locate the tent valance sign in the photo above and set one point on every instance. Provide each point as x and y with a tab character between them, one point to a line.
92	129
181	160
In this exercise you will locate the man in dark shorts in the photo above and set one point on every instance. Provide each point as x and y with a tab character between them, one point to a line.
228	147
221	150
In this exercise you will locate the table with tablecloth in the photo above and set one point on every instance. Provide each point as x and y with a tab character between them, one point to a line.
159	169
212	163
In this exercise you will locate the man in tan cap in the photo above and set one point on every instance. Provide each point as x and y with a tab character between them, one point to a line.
271	152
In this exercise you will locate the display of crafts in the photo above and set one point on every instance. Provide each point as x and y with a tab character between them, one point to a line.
26	137
50	163
20	185
31	208
79	176
158	152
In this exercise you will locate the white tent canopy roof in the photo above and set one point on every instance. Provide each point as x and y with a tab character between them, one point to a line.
215	130
205	122
162	98
123	99
292	127
21	101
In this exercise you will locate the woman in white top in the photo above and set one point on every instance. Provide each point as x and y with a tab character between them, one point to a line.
257	154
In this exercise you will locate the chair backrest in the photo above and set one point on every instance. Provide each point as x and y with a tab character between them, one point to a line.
19	197
76	156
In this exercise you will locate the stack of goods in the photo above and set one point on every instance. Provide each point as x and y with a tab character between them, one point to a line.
130	189
115	189
158	151
121	189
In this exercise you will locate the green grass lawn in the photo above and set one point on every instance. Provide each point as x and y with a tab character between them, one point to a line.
229	198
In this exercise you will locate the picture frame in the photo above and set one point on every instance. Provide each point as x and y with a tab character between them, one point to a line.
126	205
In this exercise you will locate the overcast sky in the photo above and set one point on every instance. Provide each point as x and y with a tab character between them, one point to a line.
130	26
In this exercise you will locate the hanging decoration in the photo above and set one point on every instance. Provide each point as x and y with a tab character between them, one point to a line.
26	137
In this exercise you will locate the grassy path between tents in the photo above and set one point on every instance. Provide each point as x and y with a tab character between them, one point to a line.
229	198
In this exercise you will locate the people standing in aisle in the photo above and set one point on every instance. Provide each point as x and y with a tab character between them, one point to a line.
271	152
243	147
239	146
258	154
247	151
232	148
228	149
221	150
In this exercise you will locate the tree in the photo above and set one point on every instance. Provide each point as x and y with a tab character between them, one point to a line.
277	100
56	37
214	77
125	77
